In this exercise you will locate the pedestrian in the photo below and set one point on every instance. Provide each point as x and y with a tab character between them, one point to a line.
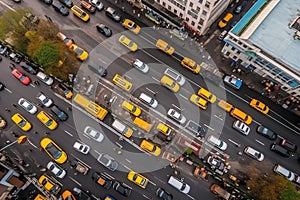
6	109
14	105
35	132
123	8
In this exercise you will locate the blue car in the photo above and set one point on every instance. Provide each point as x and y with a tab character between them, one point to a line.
233	82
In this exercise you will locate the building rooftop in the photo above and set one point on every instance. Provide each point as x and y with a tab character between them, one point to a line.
270	30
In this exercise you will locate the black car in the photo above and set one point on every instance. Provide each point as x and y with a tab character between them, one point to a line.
49	2
264	131
99	70
104	30
58	7
196	128
163	194
280	150
67	3
122	188
82	195
102	180
28	67
62	116
2	86
288	145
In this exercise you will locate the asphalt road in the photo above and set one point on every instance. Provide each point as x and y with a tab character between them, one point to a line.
86	36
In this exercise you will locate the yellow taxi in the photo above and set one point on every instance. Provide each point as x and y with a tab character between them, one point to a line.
191	65
47	120
49	184
258	105
78	12
132	46
53	150
130	25
67	195
225	105
202	92
21	122
165	47
136	111
81	54
150	147
122	82
202	103
170	83
138	179
223	22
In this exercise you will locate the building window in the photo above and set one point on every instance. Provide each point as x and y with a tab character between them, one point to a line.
164	3
175	11
158	1
198	8
238	52
232	48
180	15
207	4
193	14
200	1
204	12
187	19
234	57
169	7
193	23
201	21
191	4
199	27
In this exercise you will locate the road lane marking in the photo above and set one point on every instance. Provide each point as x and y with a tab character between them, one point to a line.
126	167
32	144
218	117
97	152
152	183
233	142
107	174
127	160
190	196
70	134
6	5
120	146
32	85
155	79
183	97
160	180
146	197
176	106
75	181
209	127
260	142
8	90
150	90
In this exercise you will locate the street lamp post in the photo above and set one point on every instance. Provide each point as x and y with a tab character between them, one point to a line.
22	139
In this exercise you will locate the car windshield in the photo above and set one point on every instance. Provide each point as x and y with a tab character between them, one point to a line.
49	122
130	44
22	77
22	123
53	150
45	100
78	51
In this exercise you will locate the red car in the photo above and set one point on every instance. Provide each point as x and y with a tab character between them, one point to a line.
21	76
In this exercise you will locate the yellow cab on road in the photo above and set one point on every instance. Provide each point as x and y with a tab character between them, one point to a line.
202	92
240	115
170	83
138	179
81	14
21	122
223	22
81	54
49	184
191	65
258	105
136	111
122	82
47	120
150	147
53	150
202	103
132	46
165	47
132	26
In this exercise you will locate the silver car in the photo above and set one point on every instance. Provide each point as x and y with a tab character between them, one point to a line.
56	170
82	148
46	101
93	133
241	127
140	66
108	162
176	116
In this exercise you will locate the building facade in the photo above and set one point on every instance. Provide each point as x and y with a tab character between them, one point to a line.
197	15
265	42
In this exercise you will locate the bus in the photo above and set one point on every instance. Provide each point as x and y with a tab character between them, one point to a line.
90	106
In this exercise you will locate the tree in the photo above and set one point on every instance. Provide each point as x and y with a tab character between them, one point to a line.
47	30
47	54
268	186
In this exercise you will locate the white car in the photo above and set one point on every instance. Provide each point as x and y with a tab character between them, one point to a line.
29	107
147	99
97	4
56	170
140	66
108	161
254	153
93	133
241	127
46	101
217	143
45	78
82	148
176	116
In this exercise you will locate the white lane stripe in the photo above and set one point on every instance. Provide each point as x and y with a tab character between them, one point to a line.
75	181
70	134
8	90
260	142
183	97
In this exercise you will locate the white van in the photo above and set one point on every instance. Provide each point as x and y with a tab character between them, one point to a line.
284	172
222	35
175	76
122	128
179	185
150	101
